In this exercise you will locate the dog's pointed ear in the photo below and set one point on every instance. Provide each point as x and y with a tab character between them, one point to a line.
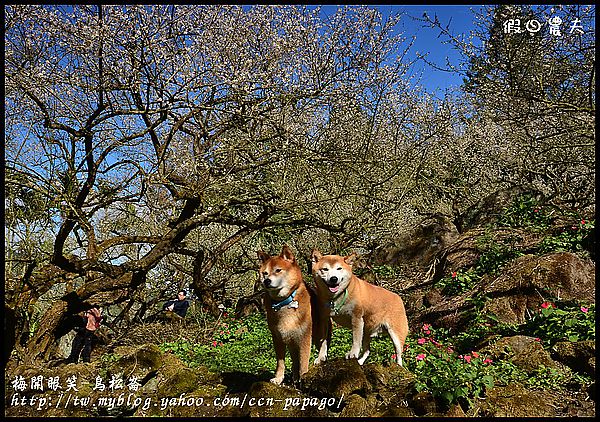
349	259
287	254
316	256
262	256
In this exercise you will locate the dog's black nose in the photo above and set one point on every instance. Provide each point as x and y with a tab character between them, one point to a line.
267	282
333	280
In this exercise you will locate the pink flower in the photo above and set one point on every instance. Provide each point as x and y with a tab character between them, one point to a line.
468	358
487	360
583	222
454	274
394	356
475	354
584	309
421	356
214	343
537	339
422	341
450	350
547	305
535	210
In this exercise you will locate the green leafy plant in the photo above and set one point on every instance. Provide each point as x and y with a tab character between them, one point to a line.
106	360
386	271
447	375
227	328
458	282
495	256
248	348
562	322
570	239
553	378
526	211
183	349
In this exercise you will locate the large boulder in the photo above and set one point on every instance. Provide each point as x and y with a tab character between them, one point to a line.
415	255
367	390
524	352
580	356
336	377
420	244
562	274
522	286
265	399
527	281
517	402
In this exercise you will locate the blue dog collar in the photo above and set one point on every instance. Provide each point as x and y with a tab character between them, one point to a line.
286	301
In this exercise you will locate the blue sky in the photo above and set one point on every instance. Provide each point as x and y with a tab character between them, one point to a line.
460	21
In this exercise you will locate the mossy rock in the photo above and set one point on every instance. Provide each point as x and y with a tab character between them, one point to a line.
455	411
398	409
561	274
523	351
336	378
579	355
184	380
357	406
83	375
282	401
139	361
515	401
199	403
393	377
423	403
184	392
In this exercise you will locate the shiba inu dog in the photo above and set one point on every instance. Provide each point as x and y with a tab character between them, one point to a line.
354	303
292	312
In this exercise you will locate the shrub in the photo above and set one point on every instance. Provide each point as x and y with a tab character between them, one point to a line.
526	211
458	282
556	321
570	239
447	375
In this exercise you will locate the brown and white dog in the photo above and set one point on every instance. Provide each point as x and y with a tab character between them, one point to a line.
354	303
292	312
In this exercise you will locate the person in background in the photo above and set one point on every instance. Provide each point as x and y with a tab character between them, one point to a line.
82	342
178	306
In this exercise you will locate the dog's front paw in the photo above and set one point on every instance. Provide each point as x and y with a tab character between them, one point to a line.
276	380
352	355
320	359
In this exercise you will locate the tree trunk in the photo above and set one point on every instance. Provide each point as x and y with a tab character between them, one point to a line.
43	344
206	298
56	321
